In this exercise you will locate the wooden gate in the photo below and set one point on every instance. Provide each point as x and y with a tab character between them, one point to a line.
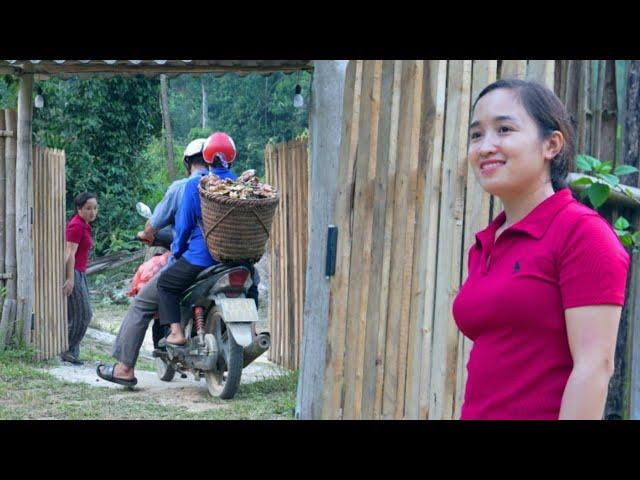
406	211
286	166
50	336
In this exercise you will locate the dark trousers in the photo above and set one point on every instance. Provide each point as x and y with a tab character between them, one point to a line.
171	285
78	312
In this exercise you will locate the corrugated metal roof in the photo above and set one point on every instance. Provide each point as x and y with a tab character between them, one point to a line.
84	68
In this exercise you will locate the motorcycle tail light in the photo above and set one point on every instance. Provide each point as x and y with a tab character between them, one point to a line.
237	278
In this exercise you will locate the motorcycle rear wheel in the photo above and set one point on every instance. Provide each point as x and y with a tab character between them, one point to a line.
230	362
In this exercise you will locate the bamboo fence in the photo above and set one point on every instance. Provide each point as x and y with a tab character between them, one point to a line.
286	166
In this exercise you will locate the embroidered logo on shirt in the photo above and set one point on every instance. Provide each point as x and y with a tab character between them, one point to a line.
516	267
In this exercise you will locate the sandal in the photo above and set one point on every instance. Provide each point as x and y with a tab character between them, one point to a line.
107	374
68	357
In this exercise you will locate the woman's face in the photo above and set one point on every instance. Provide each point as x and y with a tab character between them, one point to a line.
89	210
505	149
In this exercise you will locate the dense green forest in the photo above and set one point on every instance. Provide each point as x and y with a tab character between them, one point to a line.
111	131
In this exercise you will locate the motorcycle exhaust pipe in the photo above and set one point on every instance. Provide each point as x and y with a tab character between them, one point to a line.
259	345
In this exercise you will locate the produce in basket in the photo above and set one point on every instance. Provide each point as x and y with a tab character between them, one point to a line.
247	186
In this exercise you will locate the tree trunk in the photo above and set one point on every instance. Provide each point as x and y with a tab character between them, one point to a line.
23	213
631	140
205	104
168	133
8	314
3	181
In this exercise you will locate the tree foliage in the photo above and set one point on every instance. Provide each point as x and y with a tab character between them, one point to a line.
111	131
253	109
104	126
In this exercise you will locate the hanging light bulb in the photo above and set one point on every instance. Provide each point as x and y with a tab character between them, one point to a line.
298	100
39	101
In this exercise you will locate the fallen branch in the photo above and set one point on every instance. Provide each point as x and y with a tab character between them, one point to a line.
113	261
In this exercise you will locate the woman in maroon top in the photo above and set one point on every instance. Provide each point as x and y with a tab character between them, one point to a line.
546	280
79	242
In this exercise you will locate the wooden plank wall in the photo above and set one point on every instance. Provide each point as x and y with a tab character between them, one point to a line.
50	305
406	212
286	167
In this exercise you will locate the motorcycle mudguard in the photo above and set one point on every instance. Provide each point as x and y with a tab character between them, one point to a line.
239	314
241	333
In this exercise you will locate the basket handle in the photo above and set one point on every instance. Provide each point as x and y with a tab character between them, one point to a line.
206	237
261	222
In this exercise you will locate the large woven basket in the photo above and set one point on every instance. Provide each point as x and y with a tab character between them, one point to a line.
236	229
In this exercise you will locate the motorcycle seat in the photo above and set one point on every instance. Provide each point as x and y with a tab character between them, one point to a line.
212	270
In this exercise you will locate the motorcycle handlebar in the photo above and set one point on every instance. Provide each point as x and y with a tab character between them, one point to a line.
163	238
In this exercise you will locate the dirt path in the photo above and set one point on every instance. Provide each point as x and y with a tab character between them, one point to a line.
184	392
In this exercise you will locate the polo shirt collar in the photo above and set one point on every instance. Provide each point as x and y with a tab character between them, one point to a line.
535	223
199	172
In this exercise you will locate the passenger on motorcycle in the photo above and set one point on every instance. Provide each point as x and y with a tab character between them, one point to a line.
143	307
189	246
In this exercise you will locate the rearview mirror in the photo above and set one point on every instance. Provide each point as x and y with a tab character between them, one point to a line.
143	210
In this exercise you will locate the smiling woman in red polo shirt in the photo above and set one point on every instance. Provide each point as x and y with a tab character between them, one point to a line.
79	242
546	282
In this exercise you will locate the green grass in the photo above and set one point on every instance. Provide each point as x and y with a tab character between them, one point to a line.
26	392
93	351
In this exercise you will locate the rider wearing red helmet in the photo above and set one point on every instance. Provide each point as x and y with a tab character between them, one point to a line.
219	150
189	246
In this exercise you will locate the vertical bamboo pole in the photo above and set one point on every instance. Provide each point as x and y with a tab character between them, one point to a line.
3	181
64	336
454	179
23	213
9	308
542	71
339	296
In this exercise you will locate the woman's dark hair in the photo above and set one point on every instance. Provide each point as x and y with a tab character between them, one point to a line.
549	114
83	198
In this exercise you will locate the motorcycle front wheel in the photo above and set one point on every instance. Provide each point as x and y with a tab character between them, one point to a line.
165	371
224	381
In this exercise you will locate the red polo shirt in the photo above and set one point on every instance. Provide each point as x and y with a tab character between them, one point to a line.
561	255
79	231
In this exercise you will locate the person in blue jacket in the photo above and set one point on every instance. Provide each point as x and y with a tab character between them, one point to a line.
189	245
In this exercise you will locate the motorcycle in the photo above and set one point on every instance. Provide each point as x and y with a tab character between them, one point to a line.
218	316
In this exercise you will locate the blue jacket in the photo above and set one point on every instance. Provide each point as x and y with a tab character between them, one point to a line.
189	240
165	212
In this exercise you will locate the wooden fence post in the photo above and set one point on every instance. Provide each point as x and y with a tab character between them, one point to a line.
3	182
8	310
23	214
631	156
324	138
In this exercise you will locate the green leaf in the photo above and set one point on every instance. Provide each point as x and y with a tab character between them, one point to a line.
604	167
583	163
621	224
625	170
612	180
626	240
598	194
582	181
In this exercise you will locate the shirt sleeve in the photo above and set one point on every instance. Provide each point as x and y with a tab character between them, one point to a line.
185	219
74	232
593	265
165	212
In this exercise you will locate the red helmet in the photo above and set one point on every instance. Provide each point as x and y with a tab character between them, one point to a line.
221	145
